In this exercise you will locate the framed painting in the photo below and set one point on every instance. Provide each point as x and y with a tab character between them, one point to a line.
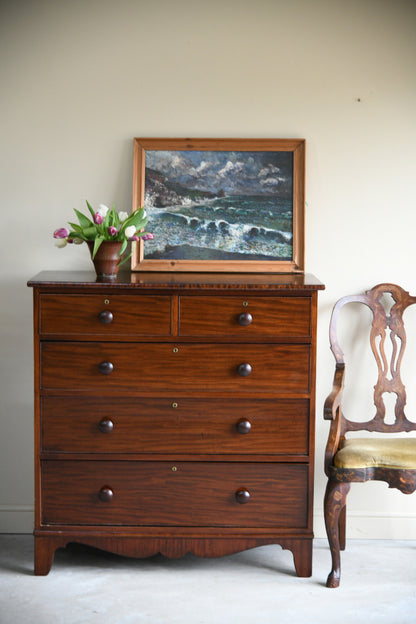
220	204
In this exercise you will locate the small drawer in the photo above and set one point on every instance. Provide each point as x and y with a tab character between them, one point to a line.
161	367
182	426
250	316
174	493
104	315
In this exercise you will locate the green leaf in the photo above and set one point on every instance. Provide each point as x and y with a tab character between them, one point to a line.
123	247
76	235
97	244
90	208
90	232
125	259
108	218
138	221
83	220
76	227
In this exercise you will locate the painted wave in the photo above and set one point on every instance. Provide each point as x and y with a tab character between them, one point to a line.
250	227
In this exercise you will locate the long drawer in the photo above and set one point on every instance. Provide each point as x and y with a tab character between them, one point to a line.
245	316
169	426
104	315
174	368
116	316
175	494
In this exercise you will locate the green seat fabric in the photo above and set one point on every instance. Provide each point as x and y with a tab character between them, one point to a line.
399	453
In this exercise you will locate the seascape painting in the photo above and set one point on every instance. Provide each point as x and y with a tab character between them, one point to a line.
219	205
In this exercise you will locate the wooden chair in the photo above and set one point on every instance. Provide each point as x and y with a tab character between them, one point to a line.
375	457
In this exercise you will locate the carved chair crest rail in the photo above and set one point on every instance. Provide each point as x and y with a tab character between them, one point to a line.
382	457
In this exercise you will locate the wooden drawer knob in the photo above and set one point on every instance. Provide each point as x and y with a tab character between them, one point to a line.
105	368
106	494
244	426
244	370
242	496
106	317
106	425
245	319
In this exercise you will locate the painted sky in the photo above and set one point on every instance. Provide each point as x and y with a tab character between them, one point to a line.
235	173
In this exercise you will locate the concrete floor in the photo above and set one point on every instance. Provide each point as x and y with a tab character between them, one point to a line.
86	586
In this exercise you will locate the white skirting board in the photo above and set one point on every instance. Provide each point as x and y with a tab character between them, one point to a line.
19	519
16	518
372	525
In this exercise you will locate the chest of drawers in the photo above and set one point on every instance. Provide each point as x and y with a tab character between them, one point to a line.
174	413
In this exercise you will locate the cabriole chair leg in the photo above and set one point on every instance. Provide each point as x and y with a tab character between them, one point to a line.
335	500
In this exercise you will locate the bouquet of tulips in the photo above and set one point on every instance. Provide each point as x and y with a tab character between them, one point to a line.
105	224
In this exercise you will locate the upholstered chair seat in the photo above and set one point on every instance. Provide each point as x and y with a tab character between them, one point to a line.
395	453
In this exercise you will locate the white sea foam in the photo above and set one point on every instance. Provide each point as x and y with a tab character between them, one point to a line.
194	223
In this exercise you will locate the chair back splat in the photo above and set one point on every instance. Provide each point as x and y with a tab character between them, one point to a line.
387	323
363	459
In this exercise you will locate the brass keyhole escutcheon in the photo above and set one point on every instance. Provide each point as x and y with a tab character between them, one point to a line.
245	304
175	405
174	469
175	350
106	301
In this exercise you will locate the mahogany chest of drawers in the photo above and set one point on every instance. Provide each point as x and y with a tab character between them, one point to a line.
174	413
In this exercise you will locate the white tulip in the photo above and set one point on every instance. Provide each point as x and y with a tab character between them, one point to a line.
102	210
122	216
61	242
130	231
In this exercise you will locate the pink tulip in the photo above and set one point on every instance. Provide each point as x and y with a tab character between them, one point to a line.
148	236
61	233
98	218
112	230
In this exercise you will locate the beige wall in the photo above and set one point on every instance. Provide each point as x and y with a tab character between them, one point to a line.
80	79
